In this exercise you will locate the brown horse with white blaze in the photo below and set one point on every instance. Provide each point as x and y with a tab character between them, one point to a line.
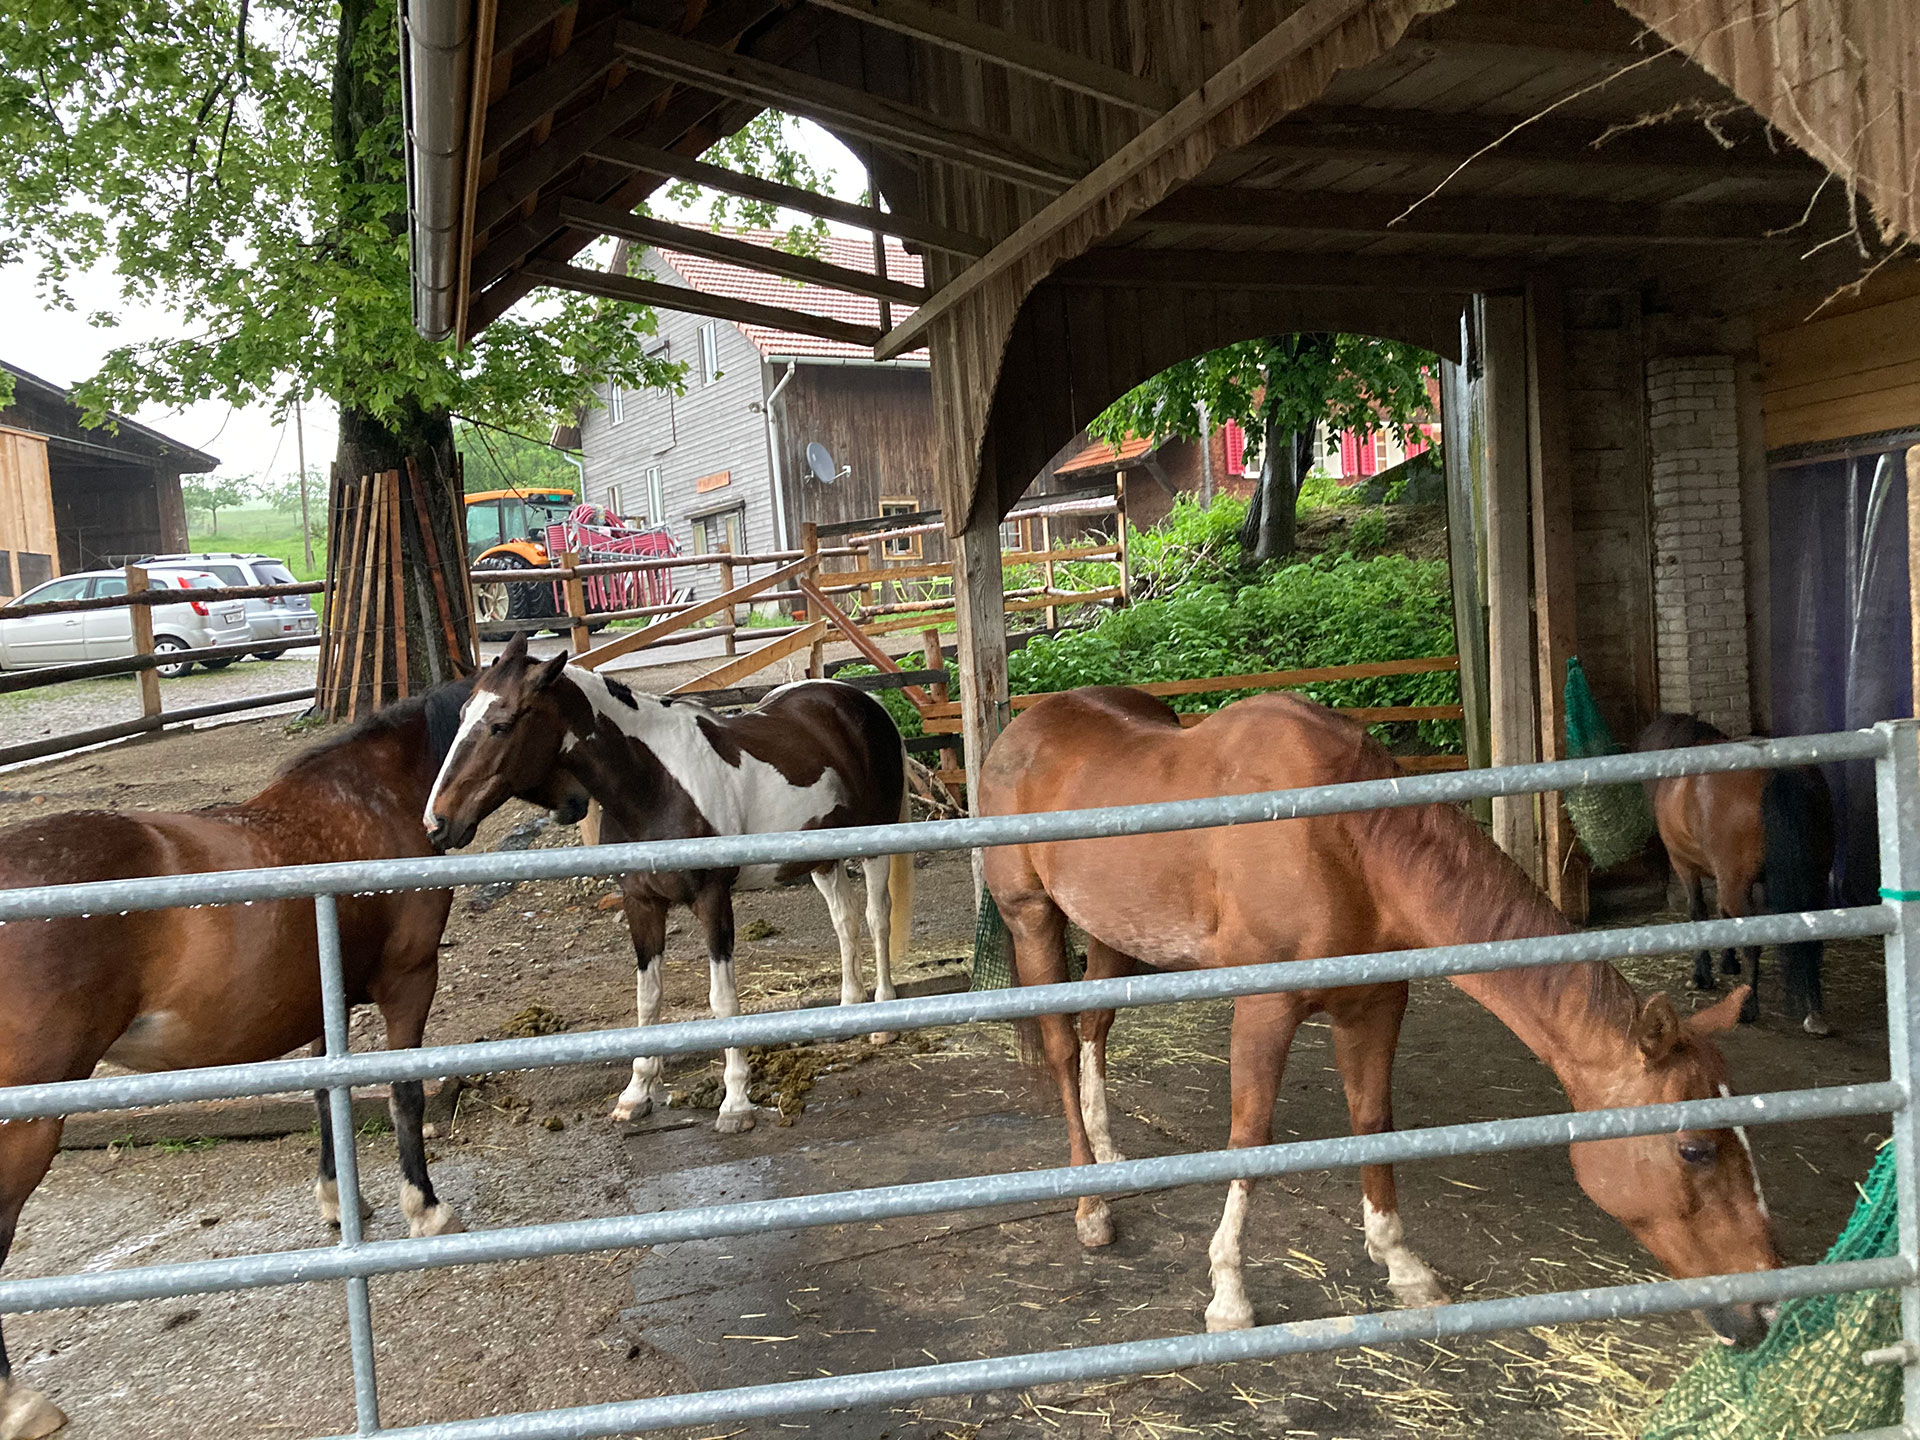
1340	885
815	754
224	985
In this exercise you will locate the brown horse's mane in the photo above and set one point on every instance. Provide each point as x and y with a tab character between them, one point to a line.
440	705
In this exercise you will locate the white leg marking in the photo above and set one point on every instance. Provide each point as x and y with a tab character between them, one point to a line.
471	719
880	930
1412	1283
439	1218
1094	1222
1230	1309
637	1099
736	1110
1740	1134
327	1193
837	891
26	1414
1093	1104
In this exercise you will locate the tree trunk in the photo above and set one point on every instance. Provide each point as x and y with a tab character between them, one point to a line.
1284	460
424	621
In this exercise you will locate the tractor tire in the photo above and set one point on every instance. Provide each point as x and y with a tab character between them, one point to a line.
494	603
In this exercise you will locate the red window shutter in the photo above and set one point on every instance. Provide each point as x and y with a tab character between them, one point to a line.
1349	454
1236	442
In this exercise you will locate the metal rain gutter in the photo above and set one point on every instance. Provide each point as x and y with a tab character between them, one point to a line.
435	68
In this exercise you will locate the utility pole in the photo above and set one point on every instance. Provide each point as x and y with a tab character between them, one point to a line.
300	448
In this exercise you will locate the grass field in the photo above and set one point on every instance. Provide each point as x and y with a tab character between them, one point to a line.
261	531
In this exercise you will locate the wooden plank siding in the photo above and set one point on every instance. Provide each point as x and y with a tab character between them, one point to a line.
877	421
26	504
1851	369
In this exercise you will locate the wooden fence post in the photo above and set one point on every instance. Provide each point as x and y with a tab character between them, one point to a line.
141	617
732	618
1046	570
395	546
1120	536
941	691
576	596
810	547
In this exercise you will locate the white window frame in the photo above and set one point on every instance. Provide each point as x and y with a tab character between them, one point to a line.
656	496
709	352
616	405
612	502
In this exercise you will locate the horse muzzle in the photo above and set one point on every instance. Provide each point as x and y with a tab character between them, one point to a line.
1741	1326
571	811
446	834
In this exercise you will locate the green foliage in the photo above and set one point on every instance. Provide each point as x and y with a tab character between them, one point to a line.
266	531
240	163
1323	492
214	493
1289	382
502	460
766	147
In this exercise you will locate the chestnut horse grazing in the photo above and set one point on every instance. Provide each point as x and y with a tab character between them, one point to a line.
224	985
1766	838
1340	885
816	754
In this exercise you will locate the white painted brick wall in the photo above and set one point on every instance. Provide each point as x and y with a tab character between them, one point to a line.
1699	590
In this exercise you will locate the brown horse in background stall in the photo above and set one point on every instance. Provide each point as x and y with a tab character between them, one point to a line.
225	984
1340	885
1766	837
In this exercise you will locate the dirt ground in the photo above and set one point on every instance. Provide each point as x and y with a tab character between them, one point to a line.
533	1147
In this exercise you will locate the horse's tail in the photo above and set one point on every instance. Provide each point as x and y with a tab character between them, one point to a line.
900	892
1796	813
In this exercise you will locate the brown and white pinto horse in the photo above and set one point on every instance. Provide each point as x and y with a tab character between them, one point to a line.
1340	885
224	985
1766	837
814	755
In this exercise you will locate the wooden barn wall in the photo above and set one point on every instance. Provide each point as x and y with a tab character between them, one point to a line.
107	512
26	506
1837	77
1852	369
1077	348
1612	549
877	421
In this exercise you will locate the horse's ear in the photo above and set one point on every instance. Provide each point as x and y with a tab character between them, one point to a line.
516	649
1723	1014
1656	1029
549	671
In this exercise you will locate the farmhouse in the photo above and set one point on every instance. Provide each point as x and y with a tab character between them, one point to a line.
73	497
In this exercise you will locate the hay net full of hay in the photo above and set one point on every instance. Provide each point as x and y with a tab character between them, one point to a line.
1806	1378
1614	822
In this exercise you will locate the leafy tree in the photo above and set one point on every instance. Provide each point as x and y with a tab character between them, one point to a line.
240	163
214	493
1279	389
503	460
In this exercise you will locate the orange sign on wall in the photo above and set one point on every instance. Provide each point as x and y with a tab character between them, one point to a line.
715	481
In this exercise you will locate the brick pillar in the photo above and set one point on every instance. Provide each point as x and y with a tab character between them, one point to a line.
1699	561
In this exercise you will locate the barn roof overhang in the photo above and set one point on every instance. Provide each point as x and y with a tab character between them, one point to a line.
48	411
1358	164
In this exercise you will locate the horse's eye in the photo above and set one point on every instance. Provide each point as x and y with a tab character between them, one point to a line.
1698	1152
501	727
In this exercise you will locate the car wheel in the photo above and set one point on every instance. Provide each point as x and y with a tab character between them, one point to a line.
170	669
494	603
219	664
266	654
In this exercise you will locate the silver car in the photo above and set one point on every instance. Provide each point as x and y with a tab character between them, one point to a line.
269	617
58	639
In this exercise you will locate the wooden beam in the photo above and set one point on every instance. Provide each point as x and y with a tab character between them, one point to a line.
1363	133
653	160
579	69
1252	68
680	619
1531	217
665	234
981	639
1270	270
486	20
818	603
1019	53
754	661
521	22
841	107
695	302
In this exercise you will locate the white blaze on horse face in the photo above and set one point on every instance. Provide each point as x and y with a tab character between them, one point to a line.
1740	1134
472	716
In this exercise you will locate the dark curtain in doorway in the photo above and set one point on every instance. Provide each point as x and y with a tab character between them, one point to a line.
1841	632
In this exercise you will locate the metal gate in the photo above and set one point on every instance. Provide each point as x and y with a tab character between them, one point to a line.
1893	747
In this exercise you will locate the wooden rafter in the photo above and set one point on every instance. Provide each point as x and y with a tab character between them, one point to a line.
1267	270
647	231
887	123
695	302
651	159
583	65
1020	53
1678	223
520	23
1304	28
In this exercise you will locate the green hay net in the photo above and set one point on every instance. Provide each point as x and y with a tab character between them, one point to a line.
1614	822
993	950
1806	1378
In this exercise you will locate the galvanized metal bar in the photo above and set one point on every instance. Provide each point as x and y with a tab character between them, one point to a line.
723	851
1173	1352
886	1202
346	1164
1897	783
843	1022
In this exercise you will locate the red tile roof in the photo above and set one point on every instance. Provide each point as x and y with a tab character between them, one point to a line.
1100	454
850	252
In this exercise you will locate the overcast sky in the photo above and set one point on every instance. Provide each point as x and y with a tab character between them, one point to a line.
61	346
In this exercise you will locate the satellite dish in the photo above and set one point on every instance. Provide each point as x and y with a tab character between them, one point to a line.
820	463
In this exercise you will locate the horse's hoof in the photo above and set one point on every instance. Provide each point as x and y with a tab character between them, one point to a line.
327	1194
1816	1025
1730	965
26	1414
1231	1315
438	1218
625	1109
1095	1226
883	1037
737	1123
1750	1012
1704	982
1421	1294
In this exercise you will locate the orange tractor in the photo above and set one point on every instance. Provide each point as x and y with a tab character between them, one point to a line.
509	530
